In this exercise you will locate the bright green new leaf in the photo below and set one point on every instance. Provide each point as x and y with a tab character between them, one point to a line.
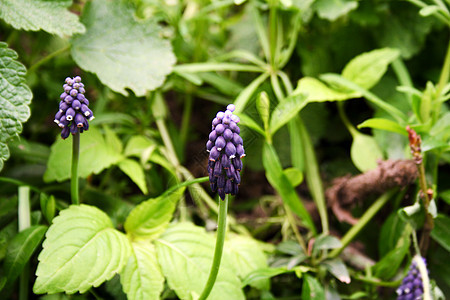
365	152
263	106
286	110
142	278
317	91
333	9
246	256
263	274
48	206
441	231
135	171
15	96
150	218
95	155
312	289
51	16
367	69
123	52
185	253
383	124
20	249
281	183
112	139
294	175
81	250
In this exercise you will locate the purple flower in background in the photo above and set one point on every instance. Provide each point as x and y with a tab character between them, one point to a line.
412	286
225	148
73	114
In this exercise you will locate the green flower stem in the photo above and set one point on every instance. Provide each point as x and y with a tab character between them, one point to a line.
74	176
429	221
24	223
378	282
368	215
47	58
220	240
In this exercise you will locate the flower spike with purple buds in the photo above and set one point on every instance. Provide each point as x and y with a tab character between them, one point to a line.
73	114
226	150
412	286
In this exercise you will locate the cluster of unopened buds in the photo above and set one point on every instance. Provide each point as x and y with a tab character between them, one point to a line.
415	144
412	286
225	147
74	113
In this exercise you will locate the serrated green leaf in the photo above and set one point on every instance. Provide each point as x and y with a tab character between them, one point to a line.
441	231
312	289
51	16
333	9
317	91
185	253
365	152
150	218
383	124
20	249
95	156
367	69
135	171
280	182
286	110
15	96
262	274
142	278
123	52
81	250
246	257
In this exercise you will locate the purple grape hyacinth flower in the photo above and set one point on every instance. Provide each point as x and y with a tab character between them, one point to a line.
73	114
412	286
226	150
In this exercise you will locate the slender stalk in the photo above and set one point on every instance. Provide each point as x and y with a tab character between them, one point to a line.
445	73
377	282
74	177
24	223
18	183
429	221
168	143
186	121
47	58
368	215
220	240
293	224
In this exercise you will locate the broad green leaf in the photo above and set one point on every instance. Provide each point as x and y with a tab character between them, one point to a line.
142	278
412	214
389	264
246	256
140	146
185	254
333	9
123	52
150	218
263	107
324	242
294	175
20	249
280	182
15	96
441	231
112	139
365	152
312	289
445	195
391	231
338	269
367	69
48	206
263	274
317	91
51	16
250	123
383	124
136	173
286	110
95	155
81	250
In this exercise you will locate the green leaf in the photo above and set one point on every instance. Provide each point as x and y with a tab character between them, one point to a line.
245	95
263	274
15	96
123	52
367	69
365	152
325	242
389	264
142	278
312	289
95	155
150	218
136	173
48	207
250	123
81	250
383	124
185	253
441	231
246	256
286	110
263	107
391	231
333	9
140	146
51	16
317	91
20	249
280	182
294	175
112	139
338	269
